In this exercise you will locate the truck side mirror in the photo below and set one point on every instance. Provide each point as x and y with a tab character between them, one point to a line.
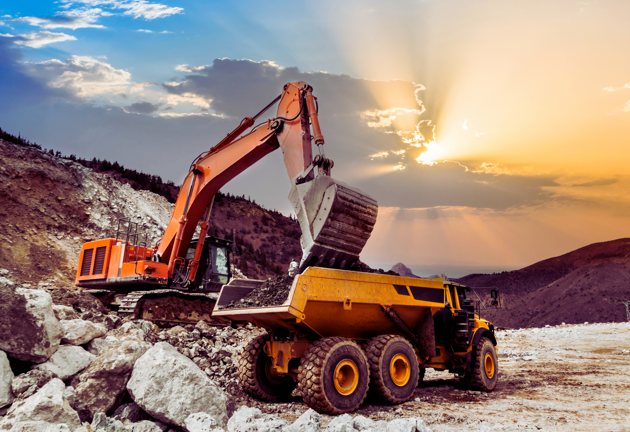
494	294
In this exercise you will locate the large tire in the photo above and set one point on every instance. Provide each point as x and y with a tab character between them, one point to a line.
256	376
334	376
394	368
485	367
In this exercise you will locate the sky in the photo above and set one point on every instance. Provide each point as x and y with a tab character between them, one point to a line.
492	133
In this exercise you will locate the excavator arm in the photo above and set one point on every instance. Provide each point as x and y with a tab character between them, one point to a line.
336	220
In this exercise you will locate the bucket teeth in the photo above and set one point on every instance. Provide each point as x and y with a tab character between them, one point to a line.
336	222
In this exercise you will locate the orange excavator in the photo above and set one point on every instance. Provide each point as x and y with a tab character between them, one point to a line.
178	279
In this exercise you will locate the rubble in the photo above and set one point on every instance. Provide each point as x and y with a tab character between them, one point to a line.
32	380
163	381
67	361
47	405
80	332
30	331
99	387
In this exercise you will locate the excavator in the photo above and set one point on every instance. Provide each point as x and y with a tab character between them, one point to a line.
178	279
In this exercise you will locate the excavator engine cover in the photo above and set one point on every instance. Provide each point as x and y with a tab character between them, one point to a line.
336	221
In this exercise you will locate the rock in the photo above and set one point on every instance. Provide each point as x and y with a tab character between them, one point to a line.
176	330
6	377
248	419
67	361
79	332
95	346
40	426
402	425
205	329
147	426
201	422
64	312
102	423
36	378
163	381
29	329
112	321
131	412
69	395
310	421
342	423
46	405
100	385
362	423
421	426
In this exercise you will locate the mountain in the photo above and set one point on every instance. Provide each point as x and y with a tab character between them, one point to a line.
589	284
50	205
403	270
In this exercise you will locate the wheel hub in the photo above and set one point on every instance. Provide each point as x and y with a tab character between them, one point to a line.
346	377
489	365
400	370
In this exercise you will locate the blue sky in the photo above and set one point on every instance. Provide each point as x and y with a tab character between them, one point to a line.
495	131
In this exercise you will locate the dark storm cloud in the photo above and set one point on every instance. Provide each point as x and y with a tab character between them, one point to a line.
142	108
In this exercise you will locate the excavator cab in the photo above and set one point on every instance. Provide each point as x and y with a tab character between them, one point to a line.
214	265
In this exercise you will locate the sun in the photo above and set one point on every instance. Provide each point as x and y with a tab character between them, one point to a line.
431	155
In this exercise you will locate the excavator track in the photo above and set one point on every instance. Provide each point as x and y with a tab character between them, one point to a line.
169	307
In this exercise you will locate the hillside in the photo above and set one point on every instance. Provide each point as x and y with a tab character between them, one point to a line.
589	284
50	205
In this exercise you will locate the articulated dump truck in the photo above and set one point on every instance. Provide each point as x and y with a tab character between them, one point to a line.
340	333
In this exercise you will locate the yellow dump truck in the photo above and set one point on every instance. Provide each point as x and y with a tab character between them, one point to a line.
340	333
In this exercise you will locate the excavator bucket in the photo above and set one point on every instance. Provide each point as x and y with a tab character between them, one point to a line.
336	222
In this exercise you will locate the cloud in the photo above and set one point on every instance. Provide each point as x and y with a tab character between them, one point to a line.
465	126
81	75
41	38
134	8
166	32
614	89
187	68
142	108
598	182
626	108
144	31
7	35
70	19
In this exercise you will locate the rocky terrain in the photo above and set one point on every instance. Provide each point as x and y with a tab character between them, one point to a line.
62	372
589	284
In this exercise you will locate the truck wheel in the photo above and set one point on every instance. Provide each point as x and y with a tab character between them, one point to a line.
257	376
334	376
485	367
394	368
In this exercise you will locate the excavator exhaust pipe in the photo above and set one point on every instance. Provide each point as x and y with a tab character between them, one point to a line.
336	221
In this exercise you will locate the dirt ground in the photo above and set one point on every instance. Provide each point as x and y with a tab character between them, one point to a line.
562	378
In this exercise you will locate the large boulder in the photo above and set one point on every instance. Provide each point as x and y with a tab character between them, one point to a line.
79	332
67	361
170	387
31	380
29	329
6	377
100	386
47	405
247	419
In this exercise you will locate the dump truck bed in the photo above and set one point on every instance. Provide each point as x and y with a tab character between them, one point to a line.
328	302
